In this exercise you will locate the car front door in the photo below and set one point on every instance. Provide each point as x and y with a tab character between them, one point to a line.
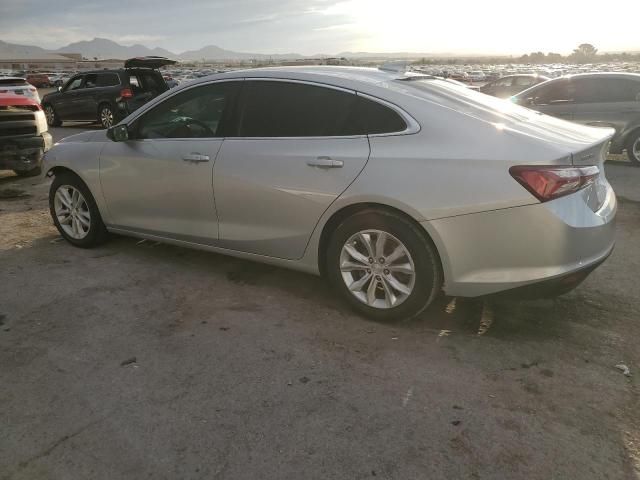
66	105
159	182
295	152
554	98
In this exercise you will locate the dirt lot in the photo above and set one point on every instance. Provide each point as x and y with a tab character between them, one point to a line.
139	360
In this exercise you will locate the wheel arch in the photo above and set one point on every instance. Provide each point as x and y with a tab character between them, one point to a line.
339	215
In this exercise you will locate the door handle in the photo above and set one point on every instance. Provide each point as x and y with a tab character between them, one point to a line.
196	158
325	162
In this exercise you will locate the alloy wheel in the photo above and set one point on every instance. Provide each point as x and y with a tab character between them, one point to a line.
49	114
106	117
72	212
377	269
636	149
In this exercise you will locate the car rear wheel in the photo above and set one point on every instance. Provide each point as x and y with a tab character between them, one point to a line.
106	116
75	213
633	147
383	265
52	118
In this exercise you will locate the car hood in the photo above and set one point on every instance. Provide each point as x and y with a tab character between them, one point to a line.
90	136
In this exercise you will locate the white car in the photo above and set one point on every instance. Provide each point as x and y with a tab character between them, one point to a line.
19	86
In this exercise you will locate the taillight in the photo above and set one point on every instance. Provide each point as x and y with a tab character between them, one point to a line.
549	182
126	93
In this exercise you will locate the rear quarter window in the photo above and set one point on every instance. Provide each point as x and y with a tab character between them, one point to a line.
374	118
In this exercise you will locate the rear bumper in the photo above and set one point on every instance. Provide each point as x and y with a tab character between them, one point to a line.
23	153
496	251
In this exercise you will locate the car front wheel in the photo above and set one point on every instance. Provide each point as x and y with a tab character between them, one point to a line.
633	148
52	118
74	212
383	265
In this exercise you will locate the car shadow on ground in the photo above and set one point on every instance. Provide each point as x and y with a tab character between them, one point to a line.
447	316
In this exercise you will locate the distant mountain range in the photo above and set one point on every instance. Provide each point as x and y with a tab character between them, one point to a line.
103	48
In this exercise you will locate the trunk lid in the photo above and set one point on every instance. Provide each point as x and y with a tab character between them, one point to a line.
148	62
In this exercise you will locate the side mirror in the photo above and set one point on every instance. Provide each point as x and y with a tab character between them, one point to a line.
118	133
59	88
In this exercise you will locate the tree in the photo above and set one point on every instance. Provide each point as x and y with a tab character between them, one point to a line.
585	53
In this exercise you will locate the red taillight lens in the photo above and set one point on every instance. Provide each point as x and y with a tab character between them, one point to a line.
126	93
548	182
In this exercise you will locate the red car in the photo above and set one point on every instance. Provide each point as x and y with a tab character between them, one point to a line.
38	80
23	134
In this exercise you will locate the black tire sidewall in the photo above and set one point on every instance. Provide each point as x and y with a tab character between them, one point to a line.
428	281
97	231
56	120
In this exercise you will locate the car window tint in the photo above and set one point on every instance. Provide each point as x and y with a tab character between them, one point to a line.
555	92
195	113
13	82
91	80
524	81
108	80
284	109
73	84
503	82
375	118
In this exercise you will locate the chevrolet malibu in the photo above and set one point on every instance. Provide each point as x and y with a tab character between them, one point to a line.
394	186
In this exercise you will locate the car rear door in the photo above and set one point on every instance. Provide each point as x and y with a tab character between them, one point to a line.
607	102
160	181
295	152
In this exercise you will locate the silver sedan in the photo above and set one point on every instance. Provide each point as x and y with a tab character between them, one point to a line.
394	186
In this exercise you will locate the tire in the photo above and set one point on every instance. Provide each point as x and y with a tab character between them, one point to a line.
420	287
106	116
633	148
89	221
34	172
52	117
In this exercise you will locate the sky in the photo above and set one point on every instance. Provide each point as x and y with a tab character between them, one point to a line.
329	26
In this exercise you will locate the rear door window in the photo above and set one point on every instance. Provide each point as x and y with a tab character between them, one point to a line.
288	109
91	80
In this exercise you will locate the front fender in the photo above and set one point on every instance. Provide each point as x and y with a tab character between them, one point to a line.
83	159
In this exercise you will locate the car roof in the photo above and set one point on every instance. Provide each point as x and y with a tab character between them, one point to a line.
335	75
633	76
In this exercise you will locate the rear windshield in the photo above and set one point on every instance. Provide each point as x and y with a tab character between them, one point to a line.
13	82
144	81
465	100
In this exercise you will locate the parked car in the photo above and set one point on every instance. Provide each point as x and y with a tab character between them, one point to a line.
355	173
106	96
19	86
596	99
38	80
23	134
510	85
477	76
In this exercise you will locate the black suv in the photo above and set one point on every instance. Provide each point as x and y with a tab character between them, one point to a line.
106	96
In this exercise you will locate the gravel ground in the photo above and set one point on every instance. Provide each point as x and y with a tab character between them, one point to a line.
141	360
